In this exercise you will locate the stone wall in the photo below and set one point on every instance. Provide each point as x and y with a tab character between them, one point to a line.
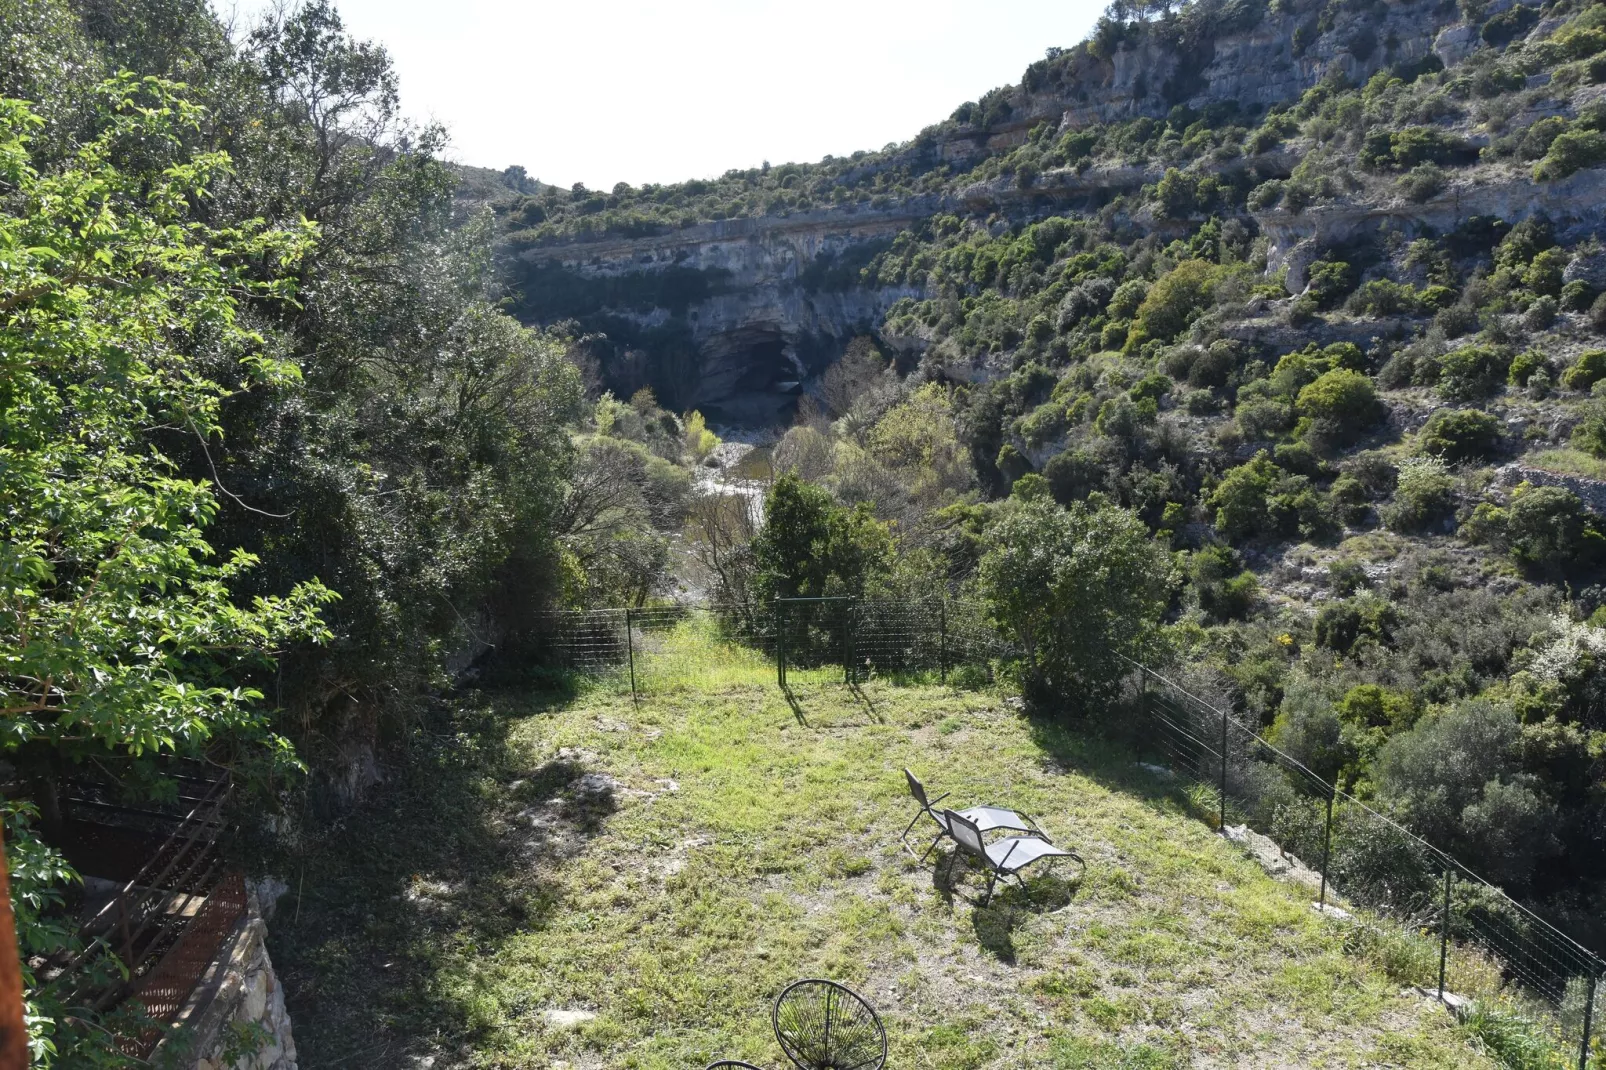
236	1017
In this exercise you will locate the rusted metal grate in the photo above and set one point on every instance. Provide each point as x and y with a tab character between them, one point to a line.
164	989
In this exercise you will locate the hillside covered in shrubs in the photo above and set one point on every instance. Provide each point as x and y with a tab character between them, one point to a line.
1337	354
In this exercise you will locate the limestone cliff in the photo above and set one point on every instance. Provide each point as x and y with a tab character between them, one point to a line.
735	316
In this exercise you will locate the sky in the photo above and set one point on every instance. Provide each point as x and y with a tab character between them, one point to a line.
634	91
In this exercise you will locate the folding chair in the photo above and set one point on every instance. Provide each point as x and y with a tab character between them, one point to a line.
1005	858
986	818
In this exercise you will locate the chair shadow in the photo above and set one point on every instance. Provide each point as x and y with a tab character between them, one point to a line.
996	920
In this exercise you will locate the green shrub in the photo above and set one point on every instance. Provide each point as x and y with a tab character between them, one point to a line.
1471	372
1264	418
1127	300
1455	435
1330	281
1590	433
1422	183
1078	589
1436	297
1226	590
1340	625
1424	497
1524	365
1380	297
1173	302
1571	152
1549	530
1259	498
1577	296
1343	400
1586	371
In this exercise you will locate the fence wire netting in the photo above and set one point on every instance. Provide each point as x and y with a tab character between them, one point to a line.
804	641
1464	935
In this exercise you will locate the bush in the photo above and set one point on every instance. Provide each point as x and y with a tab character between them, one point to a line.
1264	418
1422	183
1259	498
1455	435
1590	434
1424	497
1380	297
1173	302
1586	371
1471	372
1078	589
1340	625
1456	778
1342	400
1577	296
1571	152
1524	365
1226	590
1329	281
1548	529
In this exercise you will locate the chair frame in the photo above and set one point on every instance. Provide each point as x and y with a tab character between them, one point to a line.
775	1022
928	807
1000	869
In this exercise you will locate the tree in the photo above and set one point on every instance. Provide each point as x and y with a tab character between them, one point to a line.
1456	779
1079	589
811	547
122	638
1173	302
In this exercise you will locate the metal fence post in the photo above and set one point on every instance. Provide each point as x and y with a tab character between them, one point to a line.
850	674
1327	846
780	644
942	641
630	645
1589	1017
1444	932
1223	825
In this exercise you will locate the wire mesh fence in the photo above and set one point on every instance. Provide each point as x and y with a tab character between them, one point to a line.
1465	936
804	641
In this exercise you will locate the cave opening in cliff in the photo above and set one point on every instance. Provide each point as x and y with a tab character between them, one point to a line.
750	377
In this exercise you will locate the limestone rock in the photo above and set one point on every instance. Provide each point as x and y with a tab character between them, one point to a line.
1590	269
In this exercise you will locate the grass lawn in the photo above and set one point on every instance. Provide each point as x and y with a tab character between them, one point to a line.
669	868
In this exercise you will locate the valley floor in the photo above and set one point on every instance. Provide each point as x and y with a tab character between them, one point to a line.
667	869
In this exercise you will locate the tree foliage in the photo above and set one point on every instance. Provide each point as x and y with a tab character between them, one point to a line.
1079	588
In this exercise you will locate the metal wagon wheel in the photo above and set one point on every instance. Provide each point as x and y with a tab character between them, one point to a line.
822	1025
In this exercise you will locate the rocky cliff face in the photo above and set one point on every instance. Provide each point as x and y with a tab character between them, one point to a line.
735	317
778	302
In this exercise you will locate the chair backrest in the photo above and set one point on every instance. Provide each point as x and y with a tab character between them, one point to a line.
917	789
965	833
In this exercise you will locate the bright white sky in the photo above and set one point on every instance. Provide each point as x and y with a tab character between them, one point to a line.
604	91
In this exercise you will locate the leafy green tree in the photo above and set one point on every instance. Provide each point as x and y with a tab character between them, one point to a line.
1457	780
811	547
1079	589
123	639
1179	296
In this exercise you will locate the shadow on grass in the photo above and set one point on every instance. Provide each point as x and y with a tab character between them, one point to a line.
449	857
996	920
